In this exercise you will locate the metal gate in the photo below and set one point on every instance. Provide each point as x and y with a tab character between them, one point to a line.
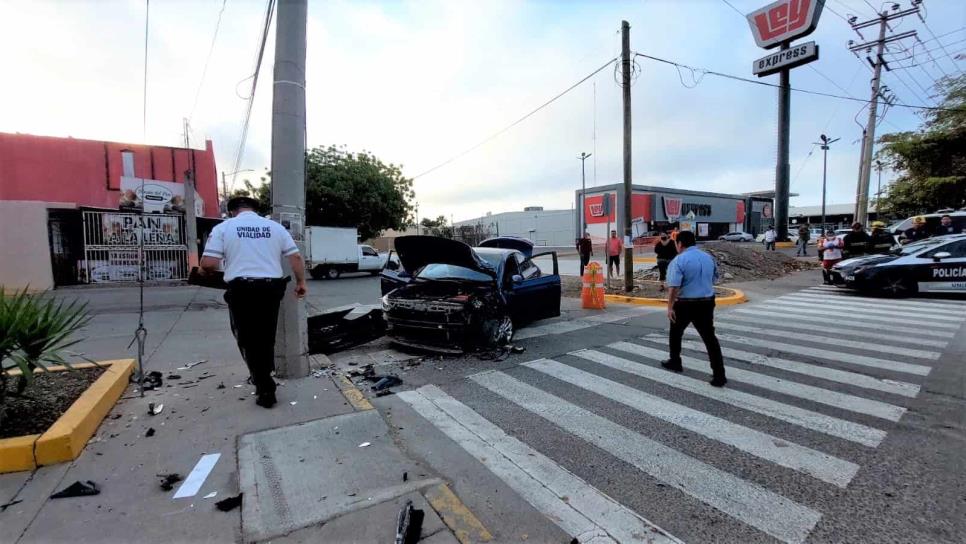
119	247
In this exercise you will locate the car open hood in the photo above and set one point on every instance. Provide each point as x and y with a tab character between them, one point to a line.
510	242
416	252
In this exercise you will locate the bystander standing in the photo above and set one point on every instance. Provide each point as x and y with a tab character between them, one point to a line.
585	248
831	253
665	249
615	246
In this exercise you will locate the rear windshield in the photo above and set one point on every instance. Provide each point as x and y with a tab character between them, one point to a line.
916	247
450	272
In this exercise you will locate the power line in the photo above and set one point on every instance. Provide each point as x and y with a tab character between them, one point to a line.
730	5
515	123
806	91
929	30
144	105
251	97
204	71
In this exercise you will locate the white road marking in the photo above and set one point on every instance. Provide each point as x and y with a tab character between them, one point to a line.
565	326
747	502
831	341
930	312
815	421
788	315
817	309
836	399
575	506
860	310
845	293
904	389
192	484
838	356
845	330
781	452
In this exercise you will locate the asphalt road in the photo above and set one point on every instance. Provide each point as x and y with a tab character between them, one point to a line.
840	423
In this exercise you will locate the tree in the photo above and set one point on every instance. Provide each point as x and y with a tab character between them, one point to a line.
345	189
931	162
436	227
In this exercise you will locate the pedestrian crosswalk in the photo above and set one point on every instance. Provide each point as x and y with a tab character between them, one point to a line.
815	386
564	326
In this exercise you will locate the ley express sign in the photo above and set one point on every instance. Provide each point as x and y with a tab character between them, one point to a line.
784	21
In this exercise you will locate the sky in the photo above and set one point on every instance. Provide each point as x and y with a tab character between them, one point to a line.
418	83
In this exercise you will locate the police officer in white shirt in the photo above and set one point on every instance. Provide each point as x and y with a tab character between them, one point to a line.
252	248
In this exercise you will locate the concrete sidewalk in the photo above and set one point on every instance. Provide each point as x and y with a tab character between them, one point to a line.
207	410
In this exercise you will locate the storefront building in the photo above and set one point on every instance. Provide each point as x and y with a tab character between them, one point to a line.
83	211
656	209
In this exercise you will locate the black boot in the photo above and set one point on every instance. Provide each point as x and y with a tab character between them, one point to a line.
672	366
266	400
718	381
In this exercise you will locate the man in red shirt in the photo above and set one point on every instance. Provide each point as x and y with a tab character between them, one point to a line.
615	246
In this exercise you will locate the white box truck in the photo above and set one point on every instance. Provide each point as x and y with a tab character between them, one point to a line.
330	251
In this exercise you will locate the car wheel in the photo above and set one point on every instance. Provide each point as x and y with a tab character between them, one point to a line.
899	287
499	331
333	273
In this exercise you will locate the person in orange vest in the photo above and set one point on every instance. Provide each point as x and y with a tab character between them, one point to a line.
615	246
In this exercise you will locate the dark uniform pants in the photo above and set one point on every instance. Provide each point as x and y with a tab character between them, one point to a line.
253	309
700	313
584	261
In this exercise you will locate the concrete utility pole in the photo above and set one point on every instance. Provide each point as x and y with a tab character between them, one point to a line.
782	168
288	173
868	137
825	143
191	221
878	187
628	189
583	192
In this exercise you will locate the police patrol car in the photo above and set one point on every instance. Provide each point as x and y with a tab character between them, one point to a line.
936	264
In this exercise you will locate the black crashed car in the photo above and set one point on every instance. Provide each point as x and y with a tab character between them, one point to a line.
443	295
936	265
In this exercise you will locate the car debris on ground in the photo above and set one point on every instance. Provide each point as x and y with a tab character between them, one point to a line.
409	525
229	504
77	489
153	380
155	409
337	330
168	480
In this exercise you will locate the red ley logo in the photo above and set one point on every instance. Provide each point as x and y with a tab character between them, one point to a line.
784	21
672	208
597	210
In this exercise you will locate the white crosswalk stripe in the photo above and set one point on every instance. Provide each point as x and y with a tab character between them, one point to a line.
892	320
853	349
926	311
807	419
832	341
820	465
562	327
831	355
927	319
788	316
587	514
845	293
748	502
842	376
844	330
844	401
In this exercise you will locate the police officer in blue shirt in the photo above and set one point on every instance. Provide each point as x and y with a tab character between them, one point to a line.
690	278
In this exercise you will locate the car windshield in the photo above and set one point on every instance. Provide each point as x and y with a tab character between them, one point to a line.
916	247
493	259
439	271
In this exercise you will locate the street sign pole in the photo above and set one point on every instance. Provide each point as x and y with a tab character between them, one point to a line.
782	168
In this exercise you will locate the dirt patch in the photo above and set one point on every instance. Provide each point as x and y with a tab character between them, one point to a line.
745	262
571	286
43	402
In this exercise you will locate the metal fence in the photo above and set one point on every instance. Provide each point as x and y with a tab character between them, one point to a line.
120	247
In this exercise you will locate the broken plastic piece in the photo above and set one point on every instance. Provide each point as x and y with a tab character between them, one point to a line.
230	503
384	392
150	432
77	489
192	365
364	445
409	526
168	480
211	495
517	349
221	385
174	376
386	382
155	409
152	381
294	402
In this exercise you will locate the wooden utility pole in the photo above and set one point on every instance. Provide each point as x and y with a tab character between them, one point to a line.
628	188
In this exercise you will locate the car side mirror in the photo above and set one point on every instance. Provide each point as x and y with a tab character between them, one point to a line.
941	255
517	278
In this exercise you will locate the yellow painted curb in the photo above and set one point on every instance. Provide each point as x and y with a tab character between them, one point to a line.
17	453
785	245
353	395
645	260
466	527
737	297
66	438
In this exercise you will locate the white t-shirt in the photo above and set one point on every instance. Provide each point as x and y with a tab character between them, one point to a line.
250	246
770	235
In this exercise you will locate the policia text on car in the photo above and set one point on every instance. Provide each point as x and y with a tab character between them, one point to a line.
251	248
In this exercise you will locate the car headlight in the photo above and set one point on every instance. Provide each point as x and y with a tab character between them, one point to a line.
386	303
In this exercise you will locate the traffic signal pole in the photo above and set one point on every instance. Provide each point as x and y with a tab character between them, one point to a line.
288	174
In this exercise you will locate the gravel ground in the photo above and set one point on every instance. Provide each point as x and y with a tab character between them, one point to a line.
44	401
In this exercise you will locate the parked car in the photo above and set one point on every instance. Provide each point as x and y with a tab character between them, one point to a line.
933	265
444	295
737	237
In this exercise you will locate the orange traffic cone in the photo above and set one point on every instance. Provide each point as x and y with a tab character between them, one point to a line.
592	292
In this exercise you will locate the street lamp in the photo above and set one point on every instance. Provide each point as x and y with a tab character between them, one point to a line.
824	144
583	192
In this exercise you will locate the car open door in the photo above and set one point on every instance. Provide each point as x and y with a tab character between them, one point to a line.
393	275
535	293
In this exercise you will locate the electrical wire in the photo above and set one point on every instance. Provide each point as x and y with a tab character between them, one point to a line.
805	91
144	105
204	71
270	9
929	30
515	123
